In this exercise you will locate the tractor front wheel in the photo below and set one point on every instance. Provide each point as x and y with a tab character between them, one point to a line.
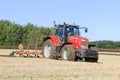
49	49
91	59
67	53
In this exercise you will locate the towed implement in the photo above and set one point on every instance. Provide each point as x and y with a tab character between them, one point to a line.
68	44
26	53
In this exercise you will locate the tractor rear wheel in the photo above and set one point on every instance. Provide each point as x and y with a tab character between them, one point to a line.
49	49
67	53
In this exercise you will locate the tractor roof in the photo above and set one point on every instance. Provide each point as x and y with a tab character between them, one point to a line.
68	25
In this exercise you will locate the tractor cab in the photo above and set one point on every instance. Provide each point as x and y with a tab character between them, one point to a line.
63	32
69	29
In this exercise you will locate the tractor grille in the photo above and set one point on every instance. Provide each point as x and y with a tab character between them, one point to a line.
91	53
84	44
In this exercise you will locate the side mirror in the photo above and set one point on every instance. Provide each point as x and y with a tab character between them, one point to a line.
86	30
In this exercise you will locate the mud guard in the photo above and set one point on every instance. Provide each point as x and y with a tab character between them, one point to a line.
55	40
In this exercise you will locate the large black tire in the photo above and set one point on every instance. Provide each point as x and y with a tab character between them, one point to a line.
67	53
49	49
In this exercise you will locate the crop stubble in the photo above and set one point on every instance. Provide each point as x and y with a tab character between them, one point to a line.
20	68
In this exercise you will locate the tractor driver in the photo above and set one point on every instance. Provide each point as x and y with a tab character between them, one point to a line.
70	31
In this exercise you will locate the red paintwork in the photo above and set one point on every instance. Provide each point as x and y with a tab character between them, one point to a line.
76	41
55	40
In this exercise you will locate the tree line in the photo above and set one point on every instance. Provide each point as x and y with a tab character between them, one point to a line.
12	34
107	44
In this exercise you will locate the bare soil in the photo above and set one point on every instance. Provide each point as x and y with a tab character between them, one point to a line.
20	68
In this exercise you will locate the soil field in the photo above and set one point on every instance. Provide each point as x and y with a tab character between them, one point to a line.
20	68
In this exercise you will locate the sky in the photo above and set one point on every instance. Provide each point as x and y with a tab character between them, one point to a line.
101	17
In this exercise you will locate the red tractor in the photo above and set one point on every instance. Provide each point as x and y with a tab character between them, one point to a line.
67	44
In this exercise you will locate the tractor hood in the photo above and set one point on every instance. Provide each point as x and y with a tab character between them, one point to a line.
79	42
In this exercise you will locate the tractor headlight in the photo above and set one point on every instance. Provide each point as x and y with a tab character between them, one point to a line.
84	44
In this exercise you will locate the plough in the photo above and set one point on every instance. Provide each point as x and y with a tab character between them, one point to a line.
26	53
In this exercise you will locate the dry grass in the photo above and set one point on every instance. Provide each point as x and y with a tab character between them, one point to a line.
6	51
19	68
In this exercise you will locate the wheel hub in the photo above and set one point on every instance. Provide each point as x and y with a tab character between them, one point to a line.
47	51
65	55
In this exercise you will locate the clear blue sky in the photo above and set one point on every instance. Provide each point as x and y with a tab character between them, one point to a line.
101	17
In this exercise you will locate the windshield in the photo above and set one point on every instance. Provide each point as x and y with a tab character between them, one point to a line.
68	30
73	30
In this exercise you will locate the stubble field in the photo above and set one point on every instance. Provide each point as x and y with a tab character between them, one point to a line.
20	68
